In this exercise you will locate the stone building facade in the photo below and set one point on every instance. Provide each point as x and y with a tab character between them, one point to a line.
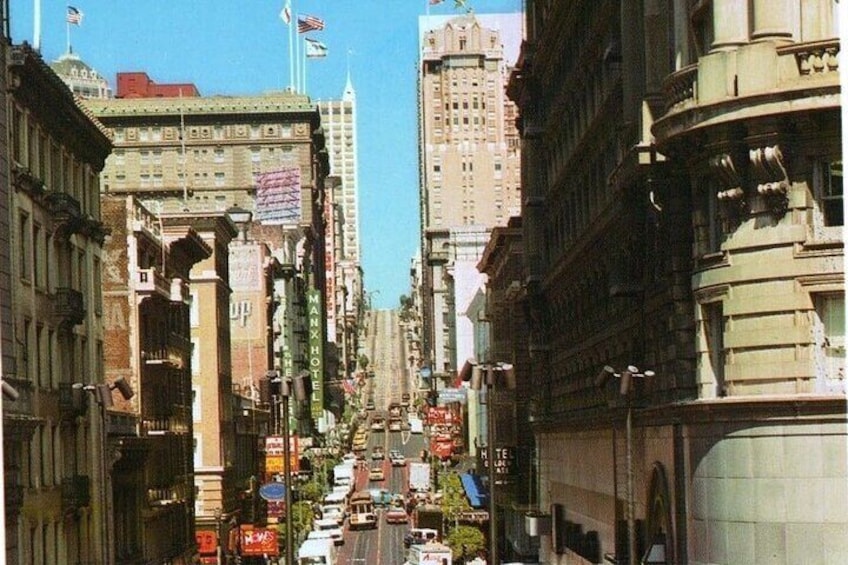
682	214
55	484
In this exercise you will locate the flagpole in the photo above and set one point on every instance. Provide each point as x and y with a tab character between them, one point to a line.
304	65
36	24
68	35
292	23
296	19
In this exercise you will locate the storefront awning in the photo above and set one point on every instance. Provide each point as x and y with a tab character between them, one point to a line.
475	491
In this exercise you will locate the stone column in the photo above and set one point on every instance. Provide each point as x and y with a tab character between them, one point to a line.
730	23
772	19
818	20
681	34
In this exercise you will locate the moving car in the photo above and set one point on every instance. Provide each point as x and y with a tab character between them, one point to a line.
377	453
398	460
370	405
376	474
396	515
378	424
418	536
395	426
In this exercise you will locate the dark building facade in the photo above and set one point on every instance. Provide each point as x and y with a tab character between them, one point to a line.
682	226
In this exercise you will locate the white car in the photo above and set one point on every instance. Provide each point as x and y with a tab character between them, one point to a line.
336	511
330	528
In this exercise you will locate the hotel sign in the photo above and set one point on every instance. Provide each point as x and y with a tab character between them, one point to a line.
315	356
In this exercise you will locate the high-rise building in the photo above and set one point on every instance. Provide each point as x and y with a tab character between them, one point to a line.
469	167
344	260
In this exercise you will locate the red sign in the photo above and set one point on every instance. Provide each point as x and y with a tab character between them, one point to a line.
207	541
258	541
437	415
441	449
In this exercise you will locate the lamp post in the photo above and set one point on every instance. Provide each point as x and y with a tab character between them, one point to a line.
300	393
495	374
626	390
102	394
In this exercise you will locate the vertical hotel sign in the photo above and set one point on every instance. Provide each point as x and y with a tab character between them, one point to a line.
316	350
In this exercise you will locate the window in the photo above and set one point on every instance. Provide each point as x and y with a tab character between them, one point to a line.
829	335
24	241
830	193
713	330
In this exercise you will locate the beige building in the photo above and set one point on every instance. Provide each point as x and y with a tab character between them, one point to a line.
469	166
147	344
683	215
198	161
56	488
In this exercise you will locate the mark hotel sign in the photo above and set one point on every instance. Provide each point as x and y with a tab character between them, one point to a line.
316	350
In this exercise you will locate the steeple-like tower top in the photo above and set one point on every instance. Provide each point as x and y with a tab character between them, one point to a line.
349	94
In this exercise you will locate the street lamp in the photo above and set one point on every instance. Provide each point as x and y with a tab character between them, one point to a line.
625	389
218	551
493	375
300	383
102	394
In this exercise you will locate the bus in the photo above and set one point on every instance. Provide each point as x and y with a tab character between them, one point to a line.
362	511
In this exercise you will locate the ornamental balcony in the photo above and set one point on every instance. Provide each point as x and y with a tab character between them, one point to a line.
76	493
68	306
151	282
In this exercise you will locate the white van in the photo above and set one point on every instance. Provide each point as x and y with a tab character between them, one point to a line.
317	552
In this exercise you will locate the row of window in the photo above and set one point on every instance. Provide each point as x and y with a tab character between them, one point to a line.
46	264
60	171
220	132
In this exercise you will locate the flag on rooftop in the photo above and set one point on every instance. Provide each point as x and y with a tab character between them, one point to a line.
74	16
285	13
315	48
309	23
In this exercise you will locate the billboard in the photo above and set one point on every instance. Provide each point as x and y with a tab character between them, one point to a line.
278	197
258	541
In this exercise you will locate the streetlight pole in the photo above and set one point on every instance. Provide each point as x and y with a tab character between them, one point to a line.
491	371
300	394
626	390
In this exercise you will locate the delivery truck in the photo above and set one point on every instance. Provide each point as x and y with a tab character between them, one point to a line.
419	477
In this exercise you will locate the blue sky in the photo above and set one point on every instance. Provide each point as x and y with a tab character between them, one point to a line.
241	47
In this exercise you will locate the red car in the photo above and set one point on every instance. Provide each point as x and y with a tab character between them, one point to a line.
396	515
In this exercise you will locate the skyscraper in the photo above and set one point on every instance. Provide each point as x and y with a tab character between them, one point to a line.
469	166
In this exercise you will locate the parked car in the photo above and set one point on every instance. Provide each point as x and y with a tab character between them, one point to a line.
331	528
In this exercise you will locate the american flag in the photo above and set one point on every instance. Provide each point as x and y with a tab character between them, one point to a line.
74	16
434	2
348	386
309	23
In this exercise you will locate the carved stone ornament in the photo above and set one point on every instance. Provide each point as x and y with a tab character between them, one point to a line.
732	195
771	176
769	169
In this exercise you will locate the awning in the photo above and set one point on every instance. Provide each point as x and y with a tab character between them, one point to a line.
477	495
